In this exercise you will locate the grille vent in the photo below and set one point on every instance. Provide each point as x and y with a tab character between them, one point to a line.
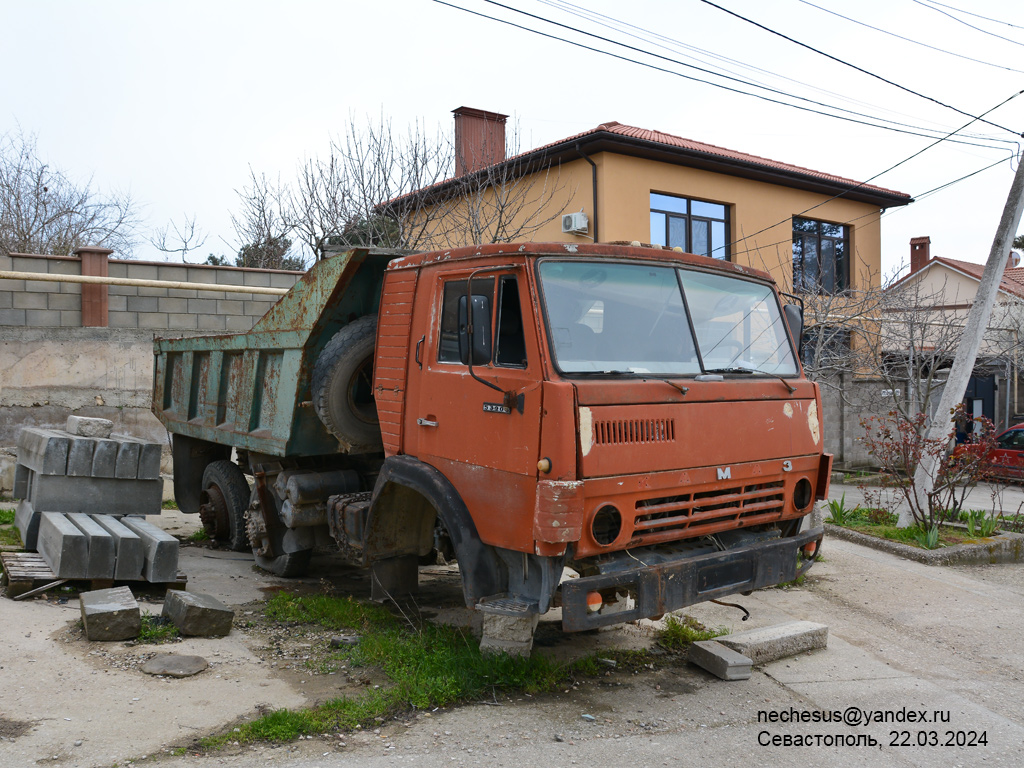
634	431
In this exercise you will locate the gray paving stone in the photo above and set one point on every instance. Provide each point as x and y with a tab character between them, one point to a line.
63	546
719	660
161	550
130	557
173	665
26	520
198	614
104	458
97	495
102	551
43	450
110	614
779	641
80	456
127	467
87	426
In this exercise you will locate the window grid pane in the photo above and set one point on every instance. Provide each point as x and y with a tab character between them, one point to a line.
674	224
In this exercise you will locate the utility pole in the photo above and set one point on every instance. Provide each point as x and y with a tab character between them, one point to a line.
967	351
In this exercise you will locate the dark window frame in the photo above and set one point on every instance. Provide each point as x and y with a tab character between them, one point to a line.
504	331
688	218
816	241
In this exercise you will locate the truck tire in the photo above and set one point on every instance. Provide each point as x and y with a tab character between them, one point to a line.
342	385
224	499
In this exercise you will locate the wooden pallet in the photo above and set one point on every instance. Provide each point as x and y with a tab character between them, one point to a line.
28	571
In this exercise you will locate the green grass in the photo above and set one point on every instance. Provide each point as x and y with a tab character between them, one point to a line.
169	504
426	665
9	537
199	536
6	516
156	630
681	631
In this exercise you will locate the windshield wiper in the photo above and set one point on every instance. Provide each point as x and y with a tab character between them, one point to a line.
744	369
646	376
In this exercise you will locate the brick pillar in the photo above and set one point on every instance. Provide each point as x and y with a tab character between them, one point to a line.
94	297
920	253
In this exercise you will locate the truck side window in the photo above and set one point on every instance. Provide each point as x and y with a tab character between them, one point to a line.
511	347
448	344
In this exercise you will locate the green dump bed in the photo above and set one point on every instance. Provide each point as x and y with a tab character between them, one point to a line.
252	390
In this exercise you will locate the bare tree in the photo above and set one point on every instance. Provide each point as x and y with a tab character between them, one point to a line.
179	238
42	210
262	226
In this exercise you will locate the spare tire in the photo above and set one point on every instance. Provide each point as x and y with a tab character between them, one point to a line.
343	385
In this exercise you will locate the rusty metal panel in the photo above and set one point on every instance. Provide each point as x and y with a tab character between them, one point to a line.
391	358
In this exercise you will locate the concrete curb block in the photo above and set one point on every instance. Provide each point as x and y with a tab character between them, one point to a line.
719	660
777	642
1004	548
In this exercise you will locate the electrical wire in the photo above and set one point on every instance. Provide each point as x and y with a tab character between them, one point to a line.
932	7
854	66
975	15
918	132
910	39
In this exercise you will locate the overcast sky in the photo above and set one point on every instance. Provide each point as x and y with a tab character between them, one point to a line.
176	101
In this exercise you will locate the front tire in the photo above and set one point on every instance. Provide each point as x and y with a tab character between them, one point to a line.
223	502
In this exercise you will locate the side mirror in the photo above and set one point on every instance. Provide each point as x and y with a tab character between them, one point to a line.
481	336
795	319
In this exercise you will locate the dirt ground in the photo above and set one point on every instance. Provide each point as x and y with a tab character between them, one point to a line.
902	636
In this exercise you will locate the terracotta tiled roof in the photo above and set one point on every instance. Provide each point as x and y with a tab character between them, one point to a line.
1013	277
667	139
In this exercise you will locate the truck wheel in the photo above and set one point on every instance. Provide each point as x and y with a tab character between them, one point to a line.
266	538
287	566
223	501
343	385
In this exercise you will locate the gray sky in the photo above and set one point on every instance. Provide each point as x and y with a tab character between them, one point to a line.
175	101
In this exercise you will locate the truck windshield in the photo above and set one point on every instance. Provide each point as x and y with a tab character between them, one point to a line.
630	318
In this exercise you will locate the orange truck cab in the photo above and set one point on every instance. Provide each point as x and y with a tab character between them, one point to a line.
616	431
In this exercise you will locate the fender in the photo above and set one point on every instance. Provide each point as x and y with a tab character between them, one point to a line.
393	528
191	457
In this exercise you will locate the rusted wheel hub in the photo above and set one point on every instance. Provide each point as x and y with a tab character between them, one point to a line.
213	511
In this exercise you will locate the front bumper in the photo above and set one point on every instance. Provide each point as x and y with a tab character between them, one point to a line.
659	589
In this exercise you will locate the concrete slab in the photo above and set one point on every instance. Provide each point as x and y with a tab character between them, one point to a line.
720	660
110	614
197	614
63	546
104	458
777	642
96	495
127	466
130	557
22	481
161	550
102	552
43	450
26	520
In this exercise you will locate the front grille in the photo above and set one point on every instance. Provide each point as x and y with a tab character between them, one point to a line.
707	512
634	431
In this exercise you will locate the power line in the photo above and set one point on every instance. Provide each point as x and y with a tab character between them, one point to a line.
910	39
917	132
969	26
853	66
975	15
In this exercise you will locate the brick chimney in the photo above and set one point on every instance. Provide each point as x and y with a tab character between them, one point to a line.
479	139
920	253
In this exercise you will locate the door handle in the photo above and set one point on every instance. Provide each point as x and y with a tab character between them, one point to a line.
418	345
426	423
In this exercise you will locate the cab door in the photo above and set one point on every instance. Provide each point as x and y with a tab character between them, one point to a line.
480	426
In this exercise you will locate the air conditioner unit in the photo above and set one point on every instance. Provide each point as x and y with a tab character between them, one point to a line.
575	222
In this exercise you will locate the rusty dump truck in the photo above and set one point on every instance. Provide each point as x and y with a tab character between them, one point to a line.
617	431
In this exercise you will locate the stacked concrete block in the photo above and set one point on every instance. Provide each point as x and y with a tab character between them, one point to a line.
63	546
159	547
129	556
86	471
197	614
110	614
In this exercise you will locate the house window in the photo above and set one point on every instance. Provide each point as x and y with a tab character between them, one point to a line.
695	226
820	260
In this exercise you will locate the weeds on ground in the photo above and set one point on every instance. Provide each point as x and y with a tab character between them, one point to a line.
427	665
169	504
6	516
838	514
980	523
197	537
681	631
156	630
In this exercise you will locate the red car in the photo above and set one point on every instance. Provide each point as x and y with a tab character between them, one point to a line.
1007	456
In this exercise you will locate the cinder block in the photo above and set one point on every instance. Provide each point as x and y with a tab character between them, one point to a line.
110	614
80	456
96	495
100	546
70	318
42	318
508	634
43	450
26	520
104	458
778	642
197	614
87	426
720	660
130	558
161	550
63	546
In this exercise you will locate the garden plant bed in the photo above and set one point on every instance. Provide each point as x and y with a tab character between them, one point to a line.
1004	547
